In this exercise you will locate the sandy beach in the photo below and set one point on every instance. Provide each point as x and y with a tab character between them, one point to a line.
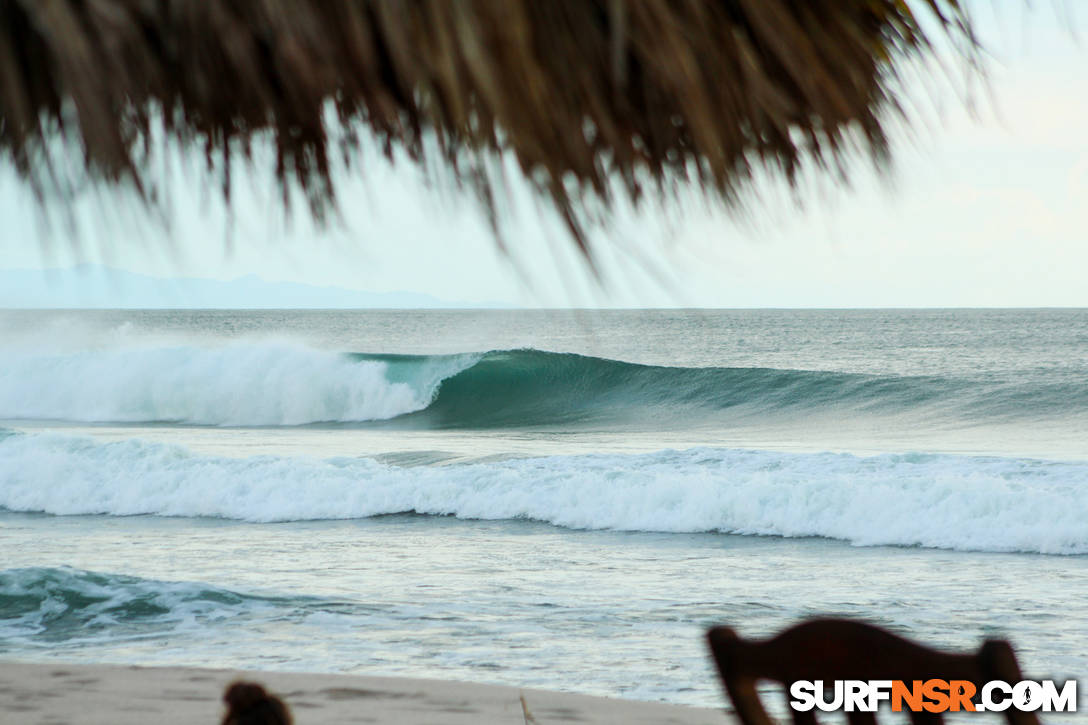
59	693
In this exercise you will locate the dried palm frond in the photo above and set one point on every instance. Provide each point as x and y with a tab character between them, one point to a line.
588	96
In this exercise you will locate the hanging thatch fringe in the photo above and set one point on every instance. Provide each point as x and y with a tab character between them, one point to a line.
581	92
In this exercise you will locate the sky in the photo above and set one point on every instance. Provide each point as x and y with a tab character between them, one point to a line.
986	206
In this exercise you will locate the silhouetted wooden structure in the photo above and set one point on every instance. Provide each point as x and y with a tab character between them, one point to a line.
836	649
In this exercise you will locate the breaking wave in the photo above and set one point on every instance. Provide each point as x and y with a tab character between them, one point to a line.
264	384
45	607
930	500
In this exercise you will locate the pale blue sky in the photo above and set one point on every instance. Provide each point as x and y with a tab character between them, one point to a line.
990	210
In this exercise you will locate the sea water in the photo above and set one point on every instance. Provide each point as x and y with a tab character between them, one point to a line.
558	499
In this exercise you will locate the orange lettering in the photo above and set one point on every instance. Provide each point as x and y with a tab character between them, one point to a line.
936	691
960	694
912	696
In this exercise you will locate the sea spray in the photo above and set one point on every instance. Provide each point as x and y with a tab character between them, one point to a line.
265	384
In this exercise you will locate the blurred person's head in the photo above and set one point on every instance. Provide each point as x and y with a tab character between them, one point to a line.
249	704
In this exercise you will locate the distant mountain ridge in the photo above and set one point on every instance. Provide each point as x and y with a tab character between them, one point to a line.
96	286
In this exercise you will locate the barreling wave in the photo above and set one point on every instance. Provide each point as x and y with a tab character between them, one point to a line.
284	385
45	607
930	500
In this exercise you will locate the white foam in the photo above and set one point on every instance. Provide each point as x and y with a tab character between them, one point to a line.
253	383
81	607
954	502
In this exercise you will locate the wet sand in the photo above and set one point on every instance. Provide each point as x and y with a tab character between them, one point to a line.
58	693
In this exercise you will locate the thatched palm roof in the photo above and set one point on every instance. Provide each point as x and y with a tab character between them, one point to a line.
582	93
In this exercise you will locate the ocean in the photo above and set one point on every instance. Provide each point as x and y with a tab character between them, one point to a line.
555	499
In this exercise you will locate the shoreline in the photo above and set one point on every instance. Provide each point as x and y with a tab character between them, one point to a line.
121	695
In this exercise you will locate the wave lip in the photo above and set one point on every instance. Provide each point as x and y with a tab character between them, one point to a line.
941	501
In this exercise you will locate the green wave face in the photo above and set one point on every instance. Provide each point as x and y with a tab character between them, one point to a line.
531	388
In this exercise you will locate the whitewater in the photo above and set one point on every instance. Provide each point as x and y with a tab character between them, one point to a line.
489	496
252	384
984	504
